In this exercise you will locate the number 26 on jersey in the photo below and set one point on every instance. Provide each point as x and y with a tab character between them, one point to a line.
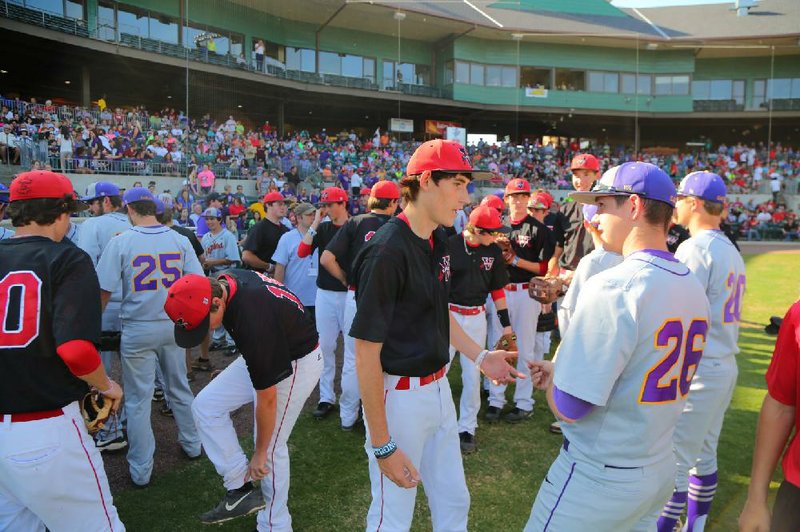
674	372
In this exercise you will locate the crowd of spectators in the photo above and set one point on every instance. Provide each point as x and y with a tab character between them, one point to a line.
135	141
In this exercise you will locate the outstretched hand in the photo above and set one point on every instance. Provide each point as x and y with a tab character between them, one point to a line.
496	366
541	373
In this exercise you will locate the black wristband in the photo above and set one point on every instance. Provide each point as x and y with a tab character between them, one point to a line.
502	315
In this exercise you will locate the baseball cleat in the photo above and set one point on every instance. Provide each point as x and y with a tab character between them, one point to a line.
166	411
555	427
236	503
322	411
111	444
468	443
492	414
202	364
518	414
158	395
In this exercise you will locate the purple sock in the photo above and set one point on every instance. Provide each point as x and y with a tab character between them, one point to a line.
672	511
701	494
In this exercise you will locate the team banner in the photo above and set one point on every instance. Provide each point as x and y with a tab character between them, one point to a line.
531	92
438	127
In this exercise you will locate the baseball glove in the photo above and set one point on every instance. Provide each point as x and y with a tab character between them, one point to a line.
95	410
507	342
110	340
545	289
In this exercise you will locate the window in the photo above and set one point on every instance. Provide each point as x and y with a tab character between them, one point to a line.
759	93
163	29
780	89
602	82
671	85
353	66
721	89
476	74
237	45
449	73
570	80
509	77
302	59
680	85
701	90
462	72
536	77
330	63
423	75
105	21
663	85
628	82
644	84
74	9
133	21
494	75
51	6
738	91
369	69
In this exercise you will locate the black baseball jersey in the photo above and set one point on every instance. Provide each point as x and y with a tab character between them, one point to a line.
533	241
263	238
351	237
325	233
268	324
675	236
551	221
577	242
476	271
402	286
49	295
188	233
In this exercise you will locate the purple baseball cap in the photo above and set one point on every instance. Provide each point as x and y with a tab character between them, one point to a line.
704	185
589	211
100	189
138	194
643	179
159	206
212	212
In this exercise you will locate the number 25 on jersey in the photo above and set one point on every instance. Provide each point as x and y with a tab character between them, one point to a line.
146	265
674	372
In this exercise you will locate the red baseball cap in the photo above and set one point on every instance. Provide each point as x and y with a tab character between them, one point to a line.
40	184
540	200
443	156
273	197
488	219
585	161
189	306
365	191
494	202
333	195
385	190
518	186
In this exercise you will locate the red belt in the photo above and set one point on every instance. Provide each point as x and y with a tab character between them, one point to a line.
404	383
351	288
34	416
467	311
513	287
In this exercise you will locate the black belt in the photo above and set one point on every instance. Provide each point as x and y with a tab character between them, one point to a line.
565	446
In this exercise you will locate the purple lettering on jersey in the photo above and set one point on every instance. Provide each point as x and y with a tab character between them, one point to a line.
171	273
142	281
691	358
654	389
732	311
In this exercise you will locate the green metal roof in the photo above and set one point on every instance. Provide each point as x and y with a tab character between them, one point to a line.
566	7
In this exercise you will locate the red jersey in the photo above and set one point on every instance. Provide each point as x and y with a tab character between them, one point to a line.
783	377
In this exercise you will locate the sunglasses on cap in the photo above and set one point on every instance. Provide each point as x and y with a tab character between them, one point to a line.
479	231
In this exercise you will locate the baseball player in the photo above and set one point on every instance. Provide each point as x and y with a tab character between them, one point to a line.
493	329
51	474
331	292
4	233
538	207
719	267
107	221
624	367
299	275
277	370
337	259
779	415
478	272
403	330
530	248
263	238
220	252
145	261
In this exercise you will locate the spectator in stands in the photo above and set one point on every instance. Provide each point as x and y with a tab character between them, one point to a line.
9	152
197	213
790	228
206	178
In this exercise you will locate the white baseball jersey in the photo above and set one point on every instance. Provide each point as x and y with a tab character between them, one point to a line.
97	232
6	233
223	245
146	261
719	267
73	233
631	350
590	265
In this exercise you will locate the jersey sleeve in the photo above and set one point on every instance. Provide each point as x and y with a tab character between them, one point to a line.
696	259
232	248
579	278
782	373
379	282
590	360
77	312
281	254
109	268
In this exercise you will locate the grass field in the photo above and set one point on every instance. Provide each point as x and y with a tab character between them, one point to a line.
330	486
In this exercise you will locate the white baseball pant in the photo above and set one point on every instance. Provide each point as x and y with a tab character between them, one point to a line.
697	433
232	389
351	395
475	327
422	421
329	307
494	329
51	475
578	492
523	312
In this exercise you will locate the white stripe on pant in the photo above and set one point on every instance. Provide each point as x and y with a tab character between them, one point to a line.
470	403
52	475
351	395
230	390
329	307
422	421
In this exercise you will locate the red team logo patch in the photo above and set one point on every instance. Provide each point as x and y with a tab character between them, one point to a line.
278	290
368	236
444	273
486	263
520	184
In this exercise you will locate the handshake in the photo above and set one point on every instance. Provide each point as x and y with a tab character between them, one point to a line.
541	373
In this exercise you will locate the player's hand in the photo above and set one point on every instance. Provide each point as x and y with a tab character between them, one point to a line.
755	517
257	469
399	469
541	373
114	393
496	366
508	257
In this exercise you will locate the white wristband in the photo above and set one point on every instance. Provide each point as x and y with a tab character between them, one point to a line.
480	357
